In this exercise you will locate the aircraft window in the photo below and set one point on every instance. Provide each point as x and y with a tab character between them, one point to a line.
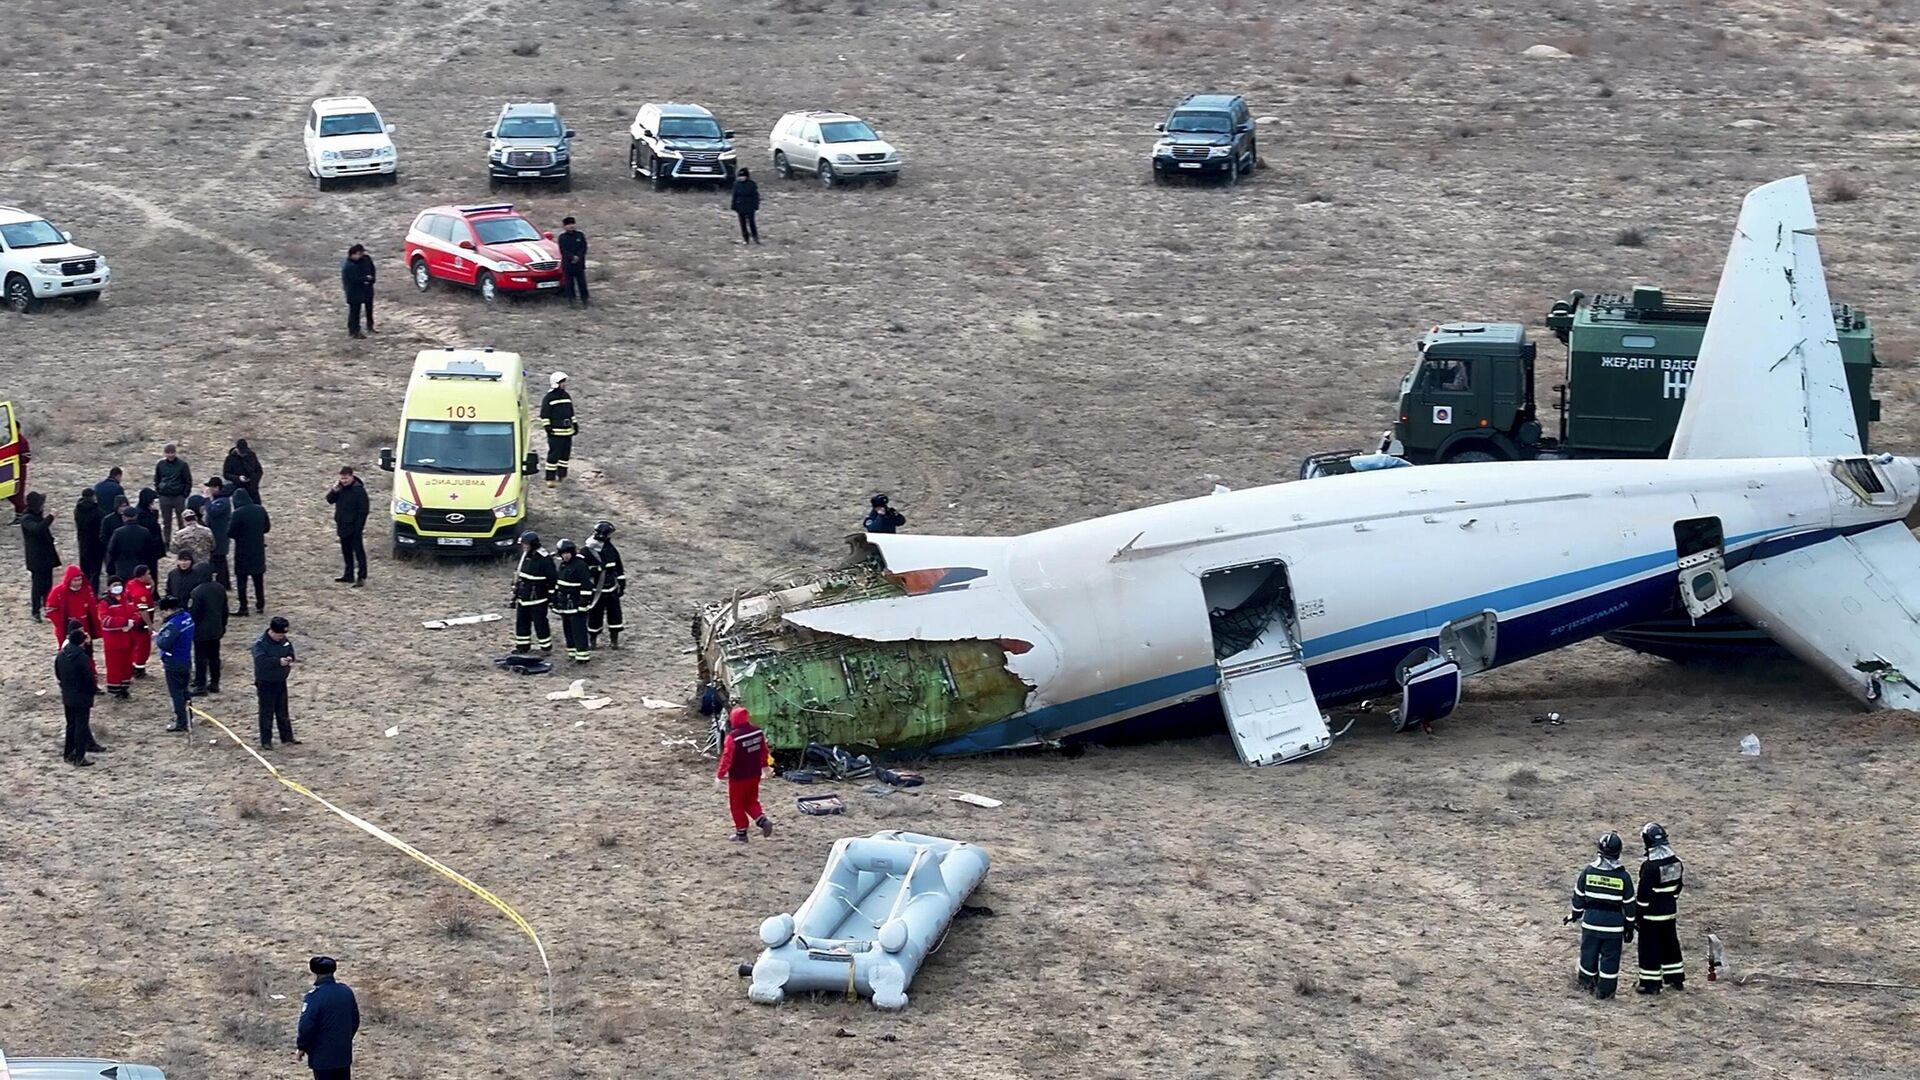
1637	341
1448	375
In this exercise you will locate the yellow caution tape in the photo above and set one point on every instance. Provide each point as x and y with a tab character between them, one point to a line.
395	842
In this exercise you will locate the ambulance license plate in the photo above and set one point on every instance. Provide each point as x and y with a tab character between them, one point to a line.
454	541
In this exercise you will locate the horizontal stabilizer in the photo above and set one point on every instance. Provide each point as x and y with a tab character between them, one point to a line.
1769	380
1849	606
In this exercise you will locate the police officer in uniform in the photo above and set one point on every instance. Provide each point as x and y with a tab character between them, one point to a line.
882	518
573	600
1659	897
613	585
1603	902
533	583
556	415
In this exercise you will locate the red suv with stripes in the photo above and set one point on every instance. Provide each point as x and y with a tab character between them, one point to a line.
489	248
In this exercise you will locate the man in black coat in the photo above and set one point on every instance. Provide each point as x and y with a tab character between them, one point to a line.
349	498
110	489
130	546
208	606
87	515
272	658
79	685
173	482
356	278
36	535
746	203
247	528
329	1019
573	263
185	577
242	470
216	511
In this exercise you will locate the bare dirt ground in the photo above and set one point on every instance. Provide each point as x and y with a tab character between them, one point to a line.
1022	332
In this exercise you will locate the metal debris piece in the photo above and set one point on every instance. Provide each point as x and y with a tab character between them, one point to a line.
461	620
575	689
971	799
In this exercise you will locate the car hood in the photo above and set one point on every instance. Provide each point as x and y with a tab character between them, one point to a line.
355	142
458	494
871	146
696	144
53	253
540	143
522	251
1195	138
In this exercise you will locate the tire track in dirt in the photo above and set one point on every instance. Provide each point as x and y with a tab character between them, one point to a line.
159	218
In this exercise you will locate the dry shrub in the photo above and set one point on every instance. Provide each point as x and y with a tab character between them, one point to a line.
606	838
1163	37
527	48
247	806
456	918
1841	190
615	1026
1631	238
1305	985
255	1030
247	976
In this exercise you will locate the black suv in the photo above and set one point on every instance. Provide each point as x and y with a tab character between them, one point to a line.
1206	135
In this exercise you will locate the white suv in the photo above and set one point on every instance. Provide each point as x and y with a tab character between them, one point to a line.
345	137
39	262
833	147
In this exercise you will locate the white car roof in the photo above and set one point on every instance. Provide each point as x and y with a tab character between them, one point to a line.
824	114
329	105
13	215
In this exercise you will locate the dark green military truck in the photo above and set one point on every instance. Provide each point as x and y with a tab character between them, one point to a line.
1472	394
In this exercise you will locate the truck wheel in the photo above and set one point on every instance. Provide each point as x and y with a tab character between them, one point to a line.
1469	457
85	299
566	182
19	294
781	168
826	175
489	292
422	280
889	179
319	183
493	185
659	175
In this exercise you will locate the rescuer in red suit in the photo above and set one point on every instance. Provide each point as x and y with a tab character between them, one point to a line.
744	757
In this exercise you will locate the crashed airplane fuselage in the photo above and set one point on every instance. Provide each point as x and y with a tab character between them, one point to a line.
1287	598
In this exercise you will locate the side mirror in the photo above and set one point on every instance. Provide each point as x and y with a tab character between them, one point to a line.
728	134
569	133
488	134
386	458
1243	128
1159	127
467	245
531	465
548	235
391	129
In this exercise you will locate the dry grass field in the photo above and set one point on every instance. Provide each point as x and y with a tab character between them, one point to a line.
1024	331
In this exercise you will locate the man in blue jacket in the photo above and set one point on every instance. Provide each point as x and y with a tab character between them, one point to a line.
329	1019
174	642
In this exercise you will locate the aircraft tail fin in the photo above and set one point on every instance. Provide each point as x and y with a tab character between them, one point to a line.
1769	381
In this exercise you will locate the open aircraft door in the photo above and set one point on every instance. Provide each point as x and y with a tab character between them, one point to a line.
12	453
1271	713
1701	548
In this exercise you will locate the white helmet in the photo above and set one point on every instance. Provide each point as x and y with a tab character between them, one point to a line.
556	379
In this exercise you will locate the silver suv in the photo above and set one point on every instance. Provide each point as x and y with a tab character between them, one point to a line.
529	144
831	147
673	142
74	1069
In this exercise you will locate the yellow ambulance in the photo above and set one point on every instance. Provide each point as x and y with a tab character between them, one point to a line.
464	454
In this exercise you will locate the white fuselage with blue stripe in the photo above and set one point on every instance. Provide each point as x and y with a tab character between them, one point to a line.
1560	551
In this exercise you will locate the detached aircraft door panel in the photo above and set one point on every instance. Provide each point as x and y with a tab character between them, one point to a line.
1270	711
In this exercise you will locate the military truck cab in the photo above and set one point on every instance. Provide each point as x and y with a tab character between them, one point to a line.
1469	396
1630	358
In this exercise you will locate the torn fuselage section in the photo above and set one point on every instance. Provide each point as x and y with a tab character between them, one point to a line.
806	685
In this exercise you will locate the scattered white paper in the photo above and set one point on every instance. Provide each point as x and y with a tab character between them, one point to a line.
595	702
461	620
392	731
656	703
576	689
283	997
579	723
971	799
1750	746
